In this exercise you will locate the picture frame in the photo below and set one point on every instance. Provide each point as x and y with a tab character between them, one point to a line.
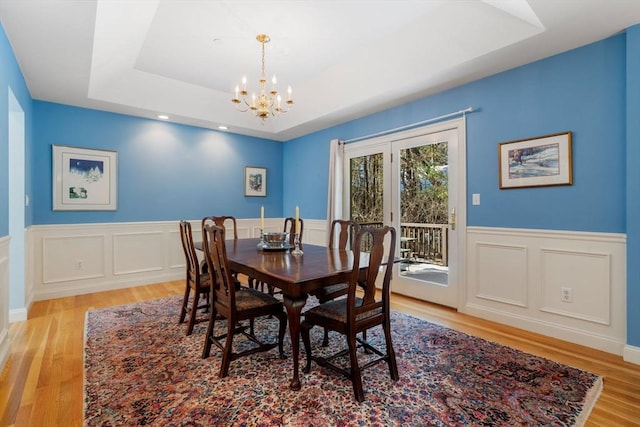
536	162
84	179
255	181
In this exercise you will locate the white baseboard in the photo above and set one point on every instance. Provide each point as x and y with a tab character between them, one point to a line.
5	345
555	330
5	348
631	354
17	315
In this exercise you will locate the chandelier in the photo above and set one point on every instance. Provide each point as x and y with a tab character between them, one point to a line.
268	102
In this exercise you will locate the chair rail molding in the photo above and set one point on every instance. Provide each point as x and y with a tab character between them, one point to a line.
564	284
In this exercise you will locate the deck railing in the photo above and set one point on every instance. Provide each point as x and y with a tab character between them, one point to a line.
422	242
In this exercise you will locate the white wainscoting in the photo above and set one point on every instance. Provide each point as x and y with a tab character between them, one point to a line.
513	276
517	276
76	259
5	345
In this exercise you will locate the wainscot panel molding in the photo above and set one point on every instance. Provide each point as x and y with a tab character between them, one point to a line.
77	259
568	285
4	301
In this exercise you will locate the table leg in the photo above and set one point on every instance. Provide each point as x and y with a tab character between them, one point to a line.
294	309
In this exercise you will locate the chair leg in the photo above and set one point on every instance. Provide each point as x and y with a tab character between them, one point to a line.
391	354
364	338
356	378
185	302
304	330
209	335
228	348
325	340
194	309
283	329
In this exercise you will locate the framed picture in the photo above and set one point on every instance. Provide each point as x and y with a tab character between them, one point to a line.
84	179
255	181
536	162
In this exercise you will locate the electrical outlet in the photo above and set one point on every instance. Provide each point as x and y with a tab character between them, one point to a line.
566	294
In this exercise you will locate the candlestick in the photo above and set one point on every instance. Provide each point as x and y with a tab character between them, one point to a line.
261	217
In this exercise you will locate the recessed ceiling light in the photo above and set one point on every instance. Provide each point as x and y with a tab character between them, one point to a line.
223	127
163	117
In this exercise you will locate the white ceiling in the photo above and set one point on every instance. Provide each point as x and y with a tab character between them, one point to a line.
344	59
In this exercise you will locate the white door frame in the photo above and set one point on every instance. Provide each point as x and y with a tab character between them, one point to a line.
385	144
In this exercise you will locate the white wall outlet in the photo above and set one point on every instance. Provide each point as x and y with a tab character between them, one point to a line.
475	199
566	294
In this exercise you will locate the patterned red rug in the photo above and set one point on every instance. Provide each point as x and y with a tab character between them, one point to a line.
141	369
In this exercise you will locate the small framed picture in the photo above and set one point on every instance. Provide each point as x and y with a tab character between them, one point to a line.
84	179
536	162
255	181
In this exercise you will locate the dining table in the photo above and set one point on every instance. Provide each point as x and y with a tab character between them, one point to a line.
296	276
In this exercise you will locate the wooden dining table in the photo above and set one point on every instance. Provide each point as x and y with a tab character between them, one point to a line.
295	275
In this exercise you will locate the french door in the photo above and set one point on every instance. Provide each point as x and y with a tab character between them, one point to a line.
412	181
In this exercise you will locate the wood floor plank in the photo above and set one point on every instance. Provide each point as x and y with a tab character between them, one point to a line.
42	383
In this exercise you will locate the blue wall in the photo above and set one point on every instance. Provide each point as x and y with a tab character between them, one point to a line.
11	77
633	185
165	171
582	91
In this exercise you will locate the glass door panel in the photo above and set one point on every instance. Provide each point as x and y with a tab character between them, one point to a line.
424	216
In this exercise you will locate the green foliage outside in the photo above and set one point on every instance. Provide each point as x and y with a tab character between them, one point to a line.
423	186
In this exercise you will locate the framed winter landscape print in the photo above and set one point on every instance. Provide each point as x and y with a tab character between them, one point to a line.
84	179
255	181
536	162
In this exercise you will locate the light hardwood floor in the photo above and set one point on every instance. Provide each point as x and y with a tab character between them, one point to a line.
42	383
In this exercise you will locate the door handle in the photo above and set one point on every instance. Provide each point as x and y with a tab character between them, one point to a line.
452	221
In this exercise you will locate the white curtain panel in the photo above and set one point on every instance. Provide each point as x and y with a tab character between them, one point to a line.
336	180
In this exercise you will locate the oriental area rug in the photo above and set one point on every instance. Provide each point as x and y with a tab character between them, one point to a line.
141	369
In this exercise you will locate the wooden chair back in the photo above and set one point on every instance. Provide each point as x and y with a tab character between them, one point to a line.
347	230
371	311
191	257
223	221
290	226
223	285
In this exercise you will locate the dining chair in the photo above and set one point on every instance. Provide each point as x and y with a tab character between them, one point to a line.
235	305
197	280
352	315
223	221
346	230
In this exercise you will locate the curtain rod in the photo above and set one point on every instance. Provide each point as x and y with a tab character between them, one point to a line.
433	119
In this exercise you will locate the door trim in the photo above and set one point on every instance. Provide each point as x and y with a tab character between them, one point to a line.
461	220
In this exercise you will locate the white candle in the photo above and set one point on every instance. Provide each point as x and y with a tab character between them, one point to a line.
262	217
297	225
